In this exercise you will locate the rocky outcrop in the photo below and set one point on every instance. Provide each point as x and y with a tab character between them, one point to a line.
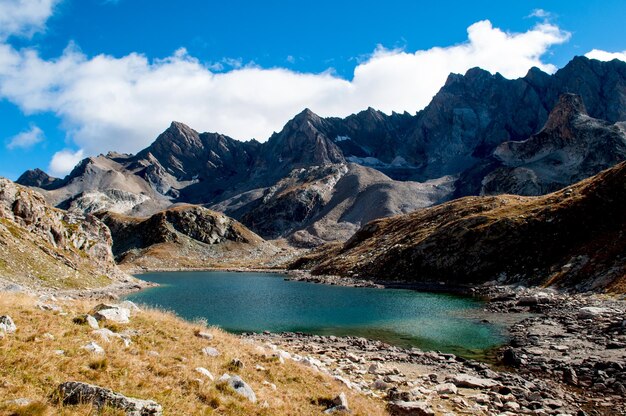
571	146
44	246
183	236
572	238
330	202
75	392
39	179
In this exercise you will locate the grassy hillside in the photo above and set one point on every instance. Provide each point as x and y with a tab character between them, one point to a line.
159	364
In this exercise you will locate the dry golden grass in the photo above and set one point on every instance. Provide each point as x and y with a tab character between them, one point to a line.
30	368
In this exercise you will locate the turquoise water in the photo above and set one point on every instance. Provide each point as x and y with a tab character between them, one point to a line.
256	302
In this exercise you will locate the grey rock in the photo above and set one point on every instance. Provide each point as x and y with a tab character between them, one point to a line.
414	408
7	325
465	380
210	351
113	313
73	393
240	386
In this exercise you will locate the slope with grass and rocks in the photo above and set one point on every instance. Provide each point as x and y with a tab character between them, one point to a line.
572	239
45	247
78	357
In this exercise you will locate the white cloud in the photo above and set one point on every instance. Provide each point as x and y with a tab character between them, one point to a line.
26	139
109	103
606	56
64	161
24	17
540	13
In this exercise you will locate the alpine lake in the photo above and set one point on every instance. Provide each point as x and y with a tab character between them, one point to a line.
241	302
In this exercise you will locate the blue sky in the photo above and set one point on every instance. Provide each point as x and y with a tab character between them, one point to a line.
79	77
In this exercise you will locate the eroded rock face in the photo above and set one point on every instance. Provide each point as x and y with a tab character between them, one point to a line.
74	392
571	146
60	244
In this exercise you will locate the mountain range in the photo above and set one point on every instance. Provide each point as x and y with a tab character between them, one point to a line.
320	179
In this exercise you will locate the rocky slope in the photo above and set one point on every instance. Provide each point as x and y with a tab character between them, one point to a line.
328	203
573	238
571	146
186	236
42	246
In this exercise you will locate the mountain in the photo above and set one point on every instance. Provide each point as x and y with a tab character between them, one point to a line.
186	236
573	238
330	202
469	130
44	247
570	147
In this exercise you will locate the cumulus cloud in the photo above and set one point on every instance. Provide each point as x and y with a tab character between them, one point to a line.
62	162
24	17
601	55
109	103
26	139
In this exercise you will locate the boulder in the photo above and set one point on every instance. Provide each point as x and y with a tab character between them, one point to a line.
113	313
446	388
210	351
74	392
7	325
92	322
591	312
400	408
340	404
465	380
204	335
93	348
240	386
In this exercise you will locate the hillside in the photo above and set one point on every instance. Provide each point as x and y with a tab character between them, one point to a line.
45	247
157	357
185	236
573	238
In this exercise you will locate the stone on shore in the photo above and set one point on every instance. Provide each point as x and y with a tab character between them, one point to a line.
74	392
465	380
400	408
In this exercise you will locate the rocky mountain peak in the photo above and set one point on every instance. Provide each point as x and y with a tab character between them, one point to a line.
39	179
569	107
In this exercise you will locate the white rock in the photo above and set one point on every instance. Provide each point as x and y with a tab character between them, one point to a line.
205	335
7	325
131	306
205	373
93	348
92	322
210	351
446	388
113	313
